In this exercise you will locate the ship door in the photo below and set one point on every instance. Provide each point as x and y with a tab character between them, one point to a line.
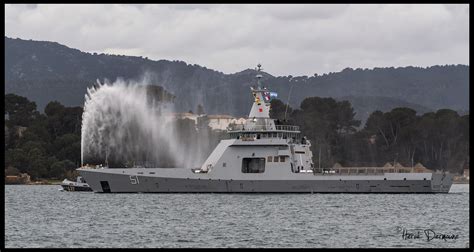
105	186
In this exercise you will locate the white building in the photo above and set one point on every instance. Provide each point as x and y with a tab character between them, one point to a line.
221	122
190	116
216	122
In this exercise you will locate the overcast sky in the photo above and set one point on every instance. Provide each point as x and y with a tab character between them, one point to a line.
285	39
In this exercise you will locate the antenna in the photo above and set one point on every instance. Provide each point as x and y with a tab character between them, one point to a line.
259	76
288	100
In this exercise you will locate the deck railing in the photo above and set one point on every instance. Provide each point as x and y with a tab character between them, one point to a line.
265	128
362	171
287	127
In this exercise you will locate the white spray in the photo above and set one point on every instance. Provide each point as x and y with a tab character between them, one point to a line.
119	119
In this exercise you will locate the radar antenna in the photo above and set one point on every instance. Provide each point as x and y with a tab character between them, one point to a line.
259	76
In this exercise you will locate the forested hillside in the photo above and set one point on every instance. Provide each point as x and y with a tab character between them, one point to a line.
45	71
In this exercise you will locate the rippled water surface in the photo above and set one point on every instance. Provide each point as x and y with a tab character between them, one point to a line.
43	216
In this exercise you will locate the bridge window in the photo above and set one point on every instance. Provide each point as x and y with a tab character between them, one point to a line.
269	159
282	159
275	159
253	165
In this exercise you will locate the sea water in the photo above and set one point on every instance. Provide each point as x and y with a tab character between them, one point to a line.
42	216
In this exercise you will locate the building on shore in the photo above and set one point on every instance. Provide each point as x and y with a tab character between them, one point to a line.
221	122
465	173
462	178
186	115
21	179
215	122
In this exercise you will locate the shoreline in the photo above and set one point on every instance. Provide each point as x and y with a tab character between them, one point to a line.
48	182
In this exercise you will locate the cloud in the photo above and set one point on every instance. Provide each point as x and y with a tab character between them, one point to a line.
286	39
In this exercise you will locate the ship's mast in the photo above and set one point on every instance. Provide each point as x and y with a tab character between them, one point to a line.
259	116
259	76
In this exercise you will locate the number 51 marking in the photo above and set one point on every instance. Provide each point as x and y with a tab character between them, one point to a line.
134	180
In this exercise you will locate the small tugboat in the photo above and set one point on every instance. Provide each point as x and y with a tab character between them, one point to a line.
78	185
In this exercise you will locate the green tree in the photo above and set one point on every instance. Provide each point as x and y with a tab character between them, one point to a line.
326	123
11	171
279	110
436	139
54	110
19	110
59	169
68	146
16	158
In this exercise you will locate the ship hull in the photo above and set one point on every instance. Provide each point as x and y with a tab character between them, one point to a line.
110	182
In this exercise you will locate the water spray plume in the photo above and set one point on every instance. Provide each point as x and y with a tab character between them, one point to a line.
125	122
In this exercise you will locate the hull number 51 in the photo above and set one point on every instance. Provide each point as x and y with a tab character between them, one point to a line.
134	180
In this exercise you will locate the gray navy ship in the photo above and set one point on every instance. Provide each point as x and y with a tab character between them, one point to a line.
262	156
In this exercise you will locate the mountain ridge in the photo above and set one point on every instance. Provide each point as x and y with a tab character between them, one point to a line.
31	67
